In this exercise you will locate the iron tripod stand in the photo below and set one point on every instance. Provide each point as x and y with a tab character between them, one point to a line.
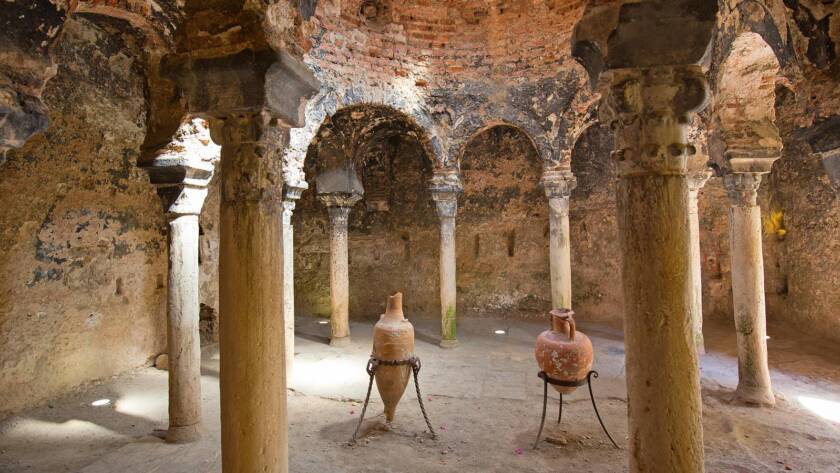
375	363
571	384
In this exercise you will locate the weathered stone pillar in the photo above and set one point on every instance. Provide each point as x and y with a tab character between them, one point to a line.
445	189
649	109
558	187
181	172
339	205
748	287
291	195
253	378
696	181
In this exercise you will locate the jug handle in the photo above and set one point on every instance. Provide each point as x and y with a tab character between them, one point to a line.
566	316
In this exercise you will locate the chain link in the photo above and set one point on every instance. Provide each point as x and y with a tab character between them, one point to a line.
372	365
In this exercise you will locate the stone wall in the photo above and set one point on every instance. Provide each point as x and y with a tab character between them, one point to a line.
84	250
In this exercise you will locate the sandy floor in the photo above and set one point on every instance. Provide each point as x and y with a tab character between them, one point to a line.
484	399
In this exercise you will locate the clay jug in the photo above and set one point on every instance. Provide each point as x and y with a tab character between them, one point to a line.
393	340
562	352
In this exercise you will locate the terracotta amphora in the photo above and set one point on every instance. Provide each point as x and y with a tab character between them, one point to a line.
562	352
393	340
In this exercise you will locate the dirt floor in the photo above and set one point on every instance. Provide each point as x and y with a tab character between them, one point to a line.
484	399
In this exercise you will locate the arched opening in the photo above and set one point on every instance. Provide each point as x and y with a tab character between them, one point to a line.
743	109
502	237
384	156
597	288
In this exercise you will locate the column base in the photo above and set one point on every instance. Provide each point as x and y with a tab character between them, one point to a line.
449	343
183	433
340	341
757	397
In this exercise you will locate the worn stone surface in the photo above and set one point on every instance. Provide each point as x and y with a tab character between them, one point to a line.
78	221
451	73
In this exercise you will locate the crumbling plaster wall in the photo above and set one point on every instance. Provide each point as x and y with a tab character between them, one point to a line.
84	250
84	253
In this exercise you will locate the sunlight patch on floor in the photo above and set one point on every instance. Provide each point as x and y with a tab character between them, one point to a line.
828	410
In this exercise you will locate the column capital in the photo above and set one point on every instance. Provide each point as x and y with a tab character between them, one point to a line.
445	187
558	184
293	190
340	199
742	188
253	168
697	179
445	181
182	170
649	110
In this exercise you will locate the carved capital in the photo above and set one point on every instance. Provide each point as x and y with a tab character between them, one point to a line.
340	199
445	187
742	188
183	168
294	190
251	163
649	110
445	181
697	179
754	160
339	217
558	184
446	204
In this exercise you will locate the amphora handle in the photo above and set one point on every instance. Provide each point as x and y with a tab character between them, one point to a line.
562	317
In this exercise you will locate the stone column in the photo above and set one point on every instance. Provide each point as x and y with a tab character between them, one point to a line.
649	109
253	369
181	172
339	205
748	288
696	181
558	187
445	189
291	195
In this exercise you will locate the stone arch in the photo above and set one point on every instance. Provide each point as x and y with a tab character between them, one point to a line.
376	162
743	112
489	125
327	103
595	141
502	223
752	16
349	136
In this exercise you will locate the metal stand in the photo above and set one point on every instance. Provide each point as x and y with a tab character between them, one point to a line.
375	363
557	382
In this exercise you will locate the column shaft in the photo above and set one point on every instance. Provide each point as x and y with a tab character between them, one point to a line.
339	276
696	180
649	110
182	330
253	378
748	289
663	385
448	287
560	254
445	189
558	185
696	272
289	285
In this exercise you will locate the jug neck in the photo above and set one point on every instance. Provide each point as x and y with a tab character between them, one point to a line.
394	311
562	320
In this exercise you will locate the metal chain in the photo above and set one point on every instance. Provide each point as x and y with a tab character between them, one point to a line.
415	368
372	365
